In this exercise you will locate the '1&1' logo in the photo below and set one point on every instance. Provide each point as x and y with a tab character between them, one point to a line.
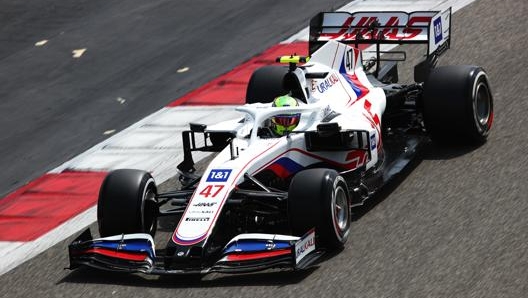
218	175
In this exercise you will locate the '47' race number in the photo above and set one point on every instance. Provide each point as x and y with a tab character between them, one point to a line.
211	190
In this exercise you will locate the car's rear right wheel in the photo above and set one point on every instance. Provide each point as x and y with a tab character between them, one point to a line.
458	104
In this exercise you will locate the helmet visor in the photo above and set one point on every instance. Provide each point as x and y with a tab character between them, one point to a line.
286	120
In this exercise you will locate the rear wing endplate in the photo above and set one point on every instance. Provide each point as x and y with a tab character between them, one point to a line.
383	27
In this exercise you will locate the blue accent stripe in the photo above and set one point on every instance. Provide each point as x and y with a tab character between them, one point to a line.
252	245
129	245
343	71
354	87
290	165
342	68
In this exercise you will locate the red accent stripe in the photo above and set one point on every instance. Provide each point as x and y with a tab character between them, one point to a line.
367	105
137	257
357	155
375	122
363	90
279	170
257	255
376	119
341	31
47	202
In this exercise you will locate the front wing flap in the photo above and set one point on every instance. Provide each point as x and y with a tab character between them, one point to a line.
126	252
252	252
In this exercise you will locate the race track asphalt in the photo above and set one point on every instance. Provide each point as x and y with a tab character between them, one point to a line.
455	226
54	107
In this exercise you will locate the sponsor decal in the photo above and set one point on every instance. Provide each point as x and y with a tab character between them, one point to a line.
349	60
357	158
327	83
437	30
304	246
218	175
203	204
391	28
197	219
201	211
372	142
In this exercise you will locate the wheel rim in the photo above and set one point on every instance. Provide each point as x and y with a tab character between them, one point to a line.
482	104
340	209
149	212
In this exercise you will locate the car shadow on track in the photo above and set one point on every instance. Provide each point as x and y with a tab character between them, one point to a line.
430	151
445	152
266	278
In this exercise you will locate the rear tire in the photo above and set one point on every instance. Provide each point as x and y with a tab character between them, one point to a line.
127	203
319	198
265	84
458	104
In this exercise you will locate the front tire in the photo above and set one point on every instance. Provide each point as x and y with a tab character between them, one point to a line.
458	104
319	198
127	203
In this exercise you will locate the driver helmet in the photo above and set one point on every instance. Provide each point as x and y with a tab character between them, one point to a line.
284	123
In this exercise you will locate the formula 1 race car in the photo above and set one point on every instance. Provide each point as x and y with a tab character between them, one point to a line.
318	137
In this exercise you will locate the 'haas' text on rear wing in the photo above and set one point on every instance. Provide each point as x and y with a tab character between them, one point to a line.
383	27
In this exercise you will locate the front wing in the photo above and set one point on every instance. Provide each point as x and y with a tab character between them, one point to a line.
245	253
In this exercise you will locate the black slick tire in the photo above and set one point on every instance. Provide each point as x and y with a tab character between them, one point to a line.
265	84
458	105
319	198
127	203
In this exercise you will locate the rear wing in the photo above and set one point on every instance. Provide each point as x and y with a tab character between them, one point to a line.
383	27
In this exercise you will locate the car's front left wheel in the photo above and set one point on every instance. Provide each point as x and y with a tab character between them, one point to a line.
127	203
319	198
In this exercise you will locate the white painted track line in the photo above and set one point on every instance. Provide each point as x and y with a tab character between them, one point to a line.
16	253
153	144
